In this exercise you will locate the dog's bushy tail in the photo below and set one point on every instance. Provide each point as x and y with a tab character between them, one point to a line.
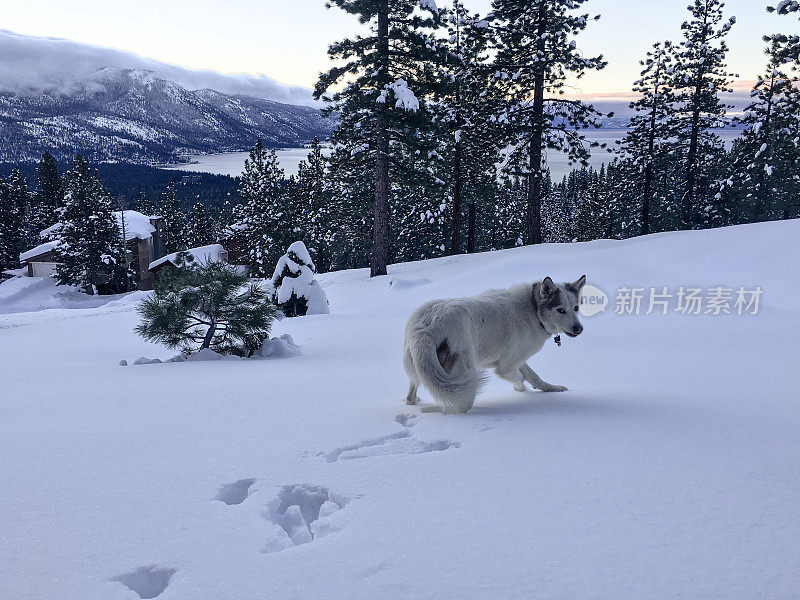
454	388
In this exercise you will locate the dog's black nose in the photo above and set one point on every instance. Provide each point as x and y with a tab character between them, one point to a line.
576	329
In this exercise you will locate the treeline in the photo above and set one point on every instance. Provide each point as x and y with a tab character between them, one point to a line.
131	184
446	118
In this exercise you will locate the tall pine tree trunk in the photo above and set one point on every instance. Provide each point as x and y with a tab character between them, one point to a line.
687	205
763	188
648	171
455	237
533	208
647	192
380	239
471	227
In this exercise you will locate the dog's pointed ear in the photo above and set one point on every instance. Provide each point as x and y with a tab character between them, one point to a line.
547	288
577	285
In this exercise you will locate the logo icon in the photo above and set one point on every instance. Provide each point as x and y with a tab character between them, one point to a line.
593	300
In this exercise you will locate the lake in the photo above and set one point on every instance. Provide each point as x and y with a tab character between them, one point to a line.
232	163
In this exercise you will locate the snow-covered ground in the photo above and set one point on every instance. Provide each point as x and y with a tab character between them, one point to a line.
670	469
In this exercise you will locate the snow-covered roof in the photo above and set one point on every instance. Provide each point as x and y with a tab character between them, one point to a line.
137	225
38	250
50	231
202	255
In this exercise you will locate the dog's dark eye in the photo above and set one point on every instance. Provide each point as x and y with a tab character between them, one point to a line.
562	311
576	309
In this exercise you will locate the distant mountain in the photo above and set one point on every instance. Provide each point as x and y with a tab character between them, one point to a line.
133	115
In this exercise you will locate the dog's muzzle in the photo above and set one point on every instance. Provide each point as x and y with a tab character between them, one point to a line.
576	331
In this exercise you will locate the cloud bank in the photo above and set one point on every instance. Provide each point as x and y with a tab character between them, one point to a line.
31	64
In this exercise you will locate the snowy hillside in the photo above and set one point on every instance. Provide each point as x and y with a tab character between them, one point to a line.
668	470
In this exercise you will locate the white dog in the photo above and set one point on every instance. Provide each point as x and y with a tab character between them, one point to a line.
448	342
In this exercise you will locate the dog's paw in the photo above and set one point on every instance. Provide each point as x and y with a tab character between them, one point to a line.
519	387
412	401
553	388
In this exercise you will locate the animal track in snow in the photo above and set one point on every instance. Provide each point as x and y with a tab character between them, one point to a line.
148	581
236	492
394	443
406	420
336	454
304	513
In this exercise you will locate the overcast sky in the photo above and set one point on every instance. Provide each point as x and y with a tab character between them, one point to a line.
287	40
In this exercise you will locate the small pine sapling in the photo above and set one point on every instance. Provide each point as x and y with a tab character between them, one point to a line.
211	305
297	293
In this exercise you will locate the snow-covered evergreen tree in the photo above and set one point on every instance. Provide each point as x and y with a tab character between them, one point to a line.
264	219
90	251
700	77
536	54
788	44
312	200
506	224
352	205
145	205
201	226
176	224
467	138
44	204
763	175
296	291
647	144
590	225
384	75
14	198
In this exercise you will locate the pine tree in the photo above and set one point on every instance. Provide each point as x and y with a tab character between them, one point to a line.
146	206
378	110
13	200
212	305
536	53
176	224
312	201
352	207
225	215
765	159
506	227
45	204
589	210
90	252
789	45
264	216
468	142
201	226
651	128
700	76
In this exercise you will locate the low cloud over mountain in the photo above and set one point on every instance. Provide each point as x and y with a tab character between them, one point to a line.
31	65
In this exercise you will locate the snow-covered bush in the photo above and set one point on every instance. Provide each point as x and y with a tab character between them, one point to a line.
211	305
296	292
